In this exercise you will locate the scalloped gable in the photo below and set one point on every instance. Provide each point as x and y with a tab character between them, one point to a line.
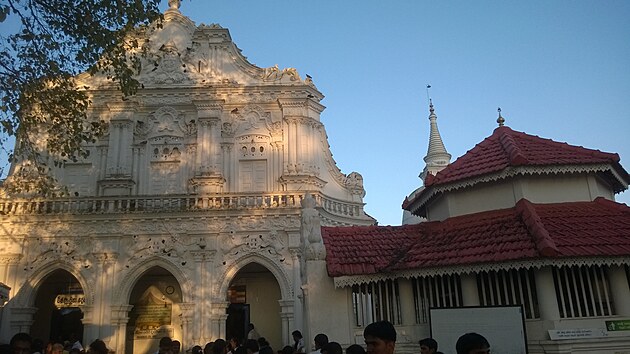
177	53
526	232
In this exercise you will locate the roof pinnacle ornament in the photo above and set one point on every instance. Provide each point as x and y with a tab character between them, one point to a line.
437	157
174	4
500	120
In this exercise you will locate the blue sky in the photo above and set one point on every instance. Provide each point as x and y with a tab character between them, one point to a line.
558	69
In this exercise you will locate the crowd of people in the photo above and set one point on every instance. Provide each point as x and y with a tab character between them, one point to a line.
22	343
379	337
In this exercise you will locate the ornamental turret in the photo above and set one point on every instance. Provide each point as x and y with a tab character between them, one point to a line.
437	157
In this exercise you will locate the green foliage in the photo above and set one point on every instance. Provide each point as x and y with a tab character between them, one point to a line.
40	103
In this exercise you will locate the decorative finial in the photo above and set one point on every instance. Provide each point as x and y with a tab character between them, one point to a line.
174	4
500	120
431	110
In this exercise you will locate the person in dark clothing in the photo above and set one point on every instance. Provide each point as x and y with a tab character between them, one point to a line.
264	347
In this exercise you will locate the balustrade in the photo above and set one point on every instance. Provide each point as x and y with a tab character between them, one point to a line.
173	203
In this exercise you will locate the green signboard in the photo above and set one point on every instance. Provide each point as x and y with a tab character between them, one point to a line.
619	325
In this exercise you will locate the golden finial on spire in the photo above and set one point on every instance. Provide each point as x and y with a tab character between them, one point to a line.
500	120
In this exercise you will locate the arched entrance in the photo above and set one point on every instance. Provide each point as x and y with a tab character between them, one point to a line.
58	300
156	312
253	295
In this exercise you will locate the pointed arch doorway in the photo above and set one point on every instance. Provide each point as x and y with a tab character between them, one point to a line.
253	296
155	312
58	301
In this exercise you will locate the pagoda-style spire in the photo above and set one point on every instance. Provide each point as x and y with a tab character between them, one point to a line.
437	157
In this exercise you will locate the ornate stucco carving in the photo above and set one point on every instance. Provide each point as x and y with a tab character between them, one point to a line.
311	230
235	245
251	119
143	247
167	66
75	249
273	73
354	183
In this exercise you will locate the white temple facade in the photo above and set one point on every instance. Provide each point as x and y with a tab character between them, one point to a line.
194	214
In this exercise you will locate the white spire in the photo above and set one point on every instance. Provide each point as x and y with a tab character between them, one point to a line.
437	157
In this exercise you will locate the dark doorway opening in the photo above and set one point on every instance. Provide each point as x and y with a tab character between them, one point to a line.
58	315
66	323
237	321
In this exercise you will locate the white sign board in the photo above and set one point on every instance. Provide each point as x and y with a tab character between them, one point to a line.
502	326
577	333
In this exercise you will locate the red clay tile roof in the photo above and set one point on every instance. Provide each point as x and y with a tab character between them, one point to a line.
528	231
506	147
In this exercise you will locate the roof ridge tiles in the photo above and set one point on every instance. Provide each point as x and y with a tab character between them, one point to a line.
511	147
543	241
621	207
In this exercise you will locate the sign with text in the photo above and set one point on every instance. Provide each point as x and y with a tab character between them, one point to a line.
69	300
152	332
151	316
577	333
618	325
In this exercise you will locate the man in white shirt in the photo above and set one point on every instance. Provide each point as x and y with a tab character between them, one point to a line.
251	333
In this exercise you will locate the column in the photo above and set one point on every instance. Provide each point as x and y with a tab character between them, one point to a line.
199	329
90	323
278	163
9	264
301	160
546	293
93	315
214	145
619	290
314	145
217	319
222	325
135	175
203	145
286	316
120	317
298	313
113	154
109	262
120	138
126	141
22	319
407	305
208	118
470	293
292	142
226	149
187	314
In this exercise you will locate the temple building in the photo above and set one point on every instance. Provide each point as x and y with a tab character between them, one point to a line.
196	212
213	201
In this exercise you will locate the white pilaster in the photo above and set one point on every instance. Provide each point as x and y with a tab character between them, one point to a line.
620	290
546	293
470	293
